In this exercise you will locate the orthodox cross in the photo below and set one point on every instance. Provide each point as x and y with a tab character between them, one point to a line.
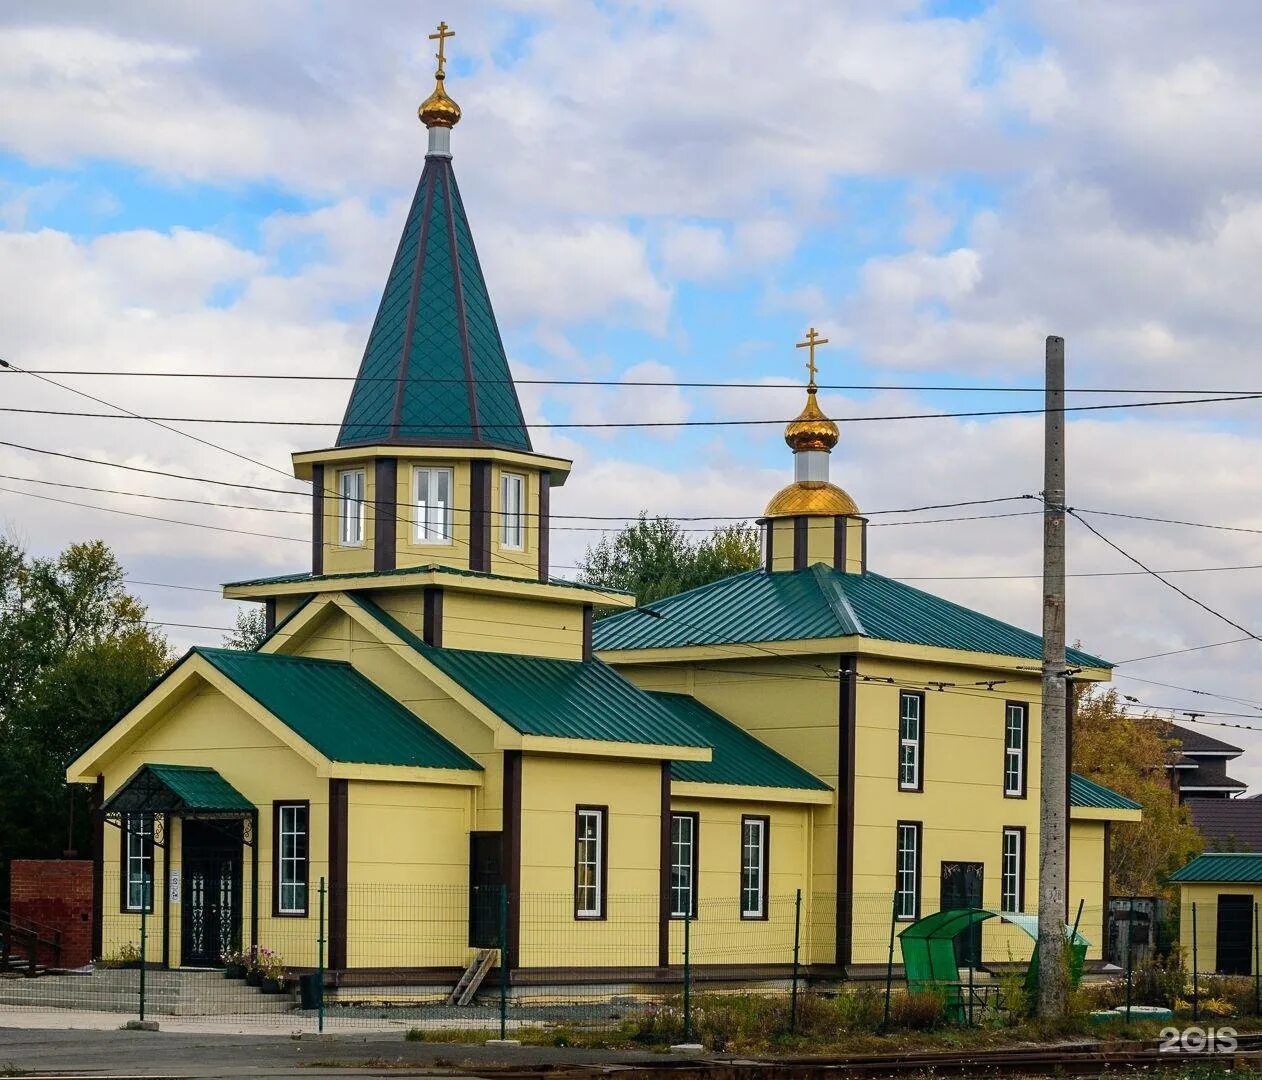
441	37
812	340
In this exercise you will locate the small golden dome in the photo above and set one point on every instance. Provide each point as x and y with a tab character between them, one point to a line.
811	498
438	110
812	430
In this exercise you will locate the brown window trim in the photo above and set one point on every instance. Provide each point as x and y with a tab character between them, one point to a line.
123	879
919	826
696	857
766	869
602	853
920	743
1020	829
1025	750
306	876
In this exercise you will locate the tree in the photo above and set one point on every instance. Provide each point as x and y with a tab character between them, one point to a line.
75	652
1129	754
654	558
251	629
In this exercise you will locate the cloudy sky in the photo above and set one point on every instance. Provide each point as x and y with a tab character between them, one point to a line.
666	191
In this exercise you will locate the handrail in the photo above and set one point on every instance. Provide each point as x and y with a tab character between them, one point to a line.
28	940
27	924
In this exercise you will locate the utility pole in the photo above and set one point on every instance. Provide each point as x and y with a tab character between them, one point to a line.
1053	770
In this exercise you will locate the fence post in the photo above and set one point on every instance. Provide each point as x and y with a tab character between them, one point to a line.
1130	952
1196	986
320	970
797	942
687	977
144	907
889	963
503	961
1257	974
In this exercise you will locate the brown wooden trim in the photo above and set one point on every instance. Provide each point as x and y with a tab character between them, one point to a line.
769	544
339	815
863	546
432	616
847	711
510	826
920	741
98	866
1025	750
603	853
269	617
480	516
919	826
664	863
166	890
306	863
696	857
385	538
1003	832
317	519
765	872
1106	898
545	523
839	543
800	525
588	654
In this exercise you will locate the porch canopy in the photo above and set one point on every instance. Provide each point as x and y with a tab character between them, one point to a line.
178	790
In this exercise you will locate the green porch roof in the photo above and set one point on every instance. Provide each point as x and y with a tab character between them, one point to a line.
178	789
565	699
335	709
816	602
739	758
1226	866
434	371
1087	793
435	568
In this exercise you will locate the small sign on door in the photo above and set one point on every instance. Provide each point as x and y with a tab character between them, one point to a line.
174	889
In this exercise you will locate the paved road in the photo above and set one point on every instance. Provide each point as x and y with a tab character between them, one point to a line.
46	1052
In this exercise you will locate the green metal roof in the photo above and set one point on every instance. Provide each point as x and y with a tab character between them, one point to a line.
1233	866
335	709
816	602
1084	792
434	371
435	568
739	758
176	789
561	698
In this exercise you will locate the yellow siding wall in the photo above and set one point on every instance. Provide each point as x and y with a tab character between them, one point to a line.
820	542
1086	882
339	559
514	625
515	562
1205	897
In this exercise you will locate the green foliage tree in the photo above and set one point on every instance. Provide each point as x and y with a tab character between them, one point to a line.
654	557
1129	754
251	629
75	652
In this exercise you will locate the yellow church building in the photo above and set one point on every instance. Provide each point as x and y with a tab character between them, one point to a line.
433	715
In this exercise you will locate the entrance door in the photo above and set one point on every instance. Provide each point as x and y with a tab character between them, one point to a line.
962	888
485	878
1235	934
210	915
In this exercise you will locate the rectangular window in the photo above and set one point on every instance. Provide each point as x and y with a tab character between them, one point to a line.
138	863
754	867
1012	877
589	862
907	871
431	490
1016	729
911	740
512	511
350	504
683	865
290	852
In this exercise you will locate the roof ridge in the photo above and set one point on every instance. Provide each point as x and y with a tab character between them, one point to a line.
835	595
253	654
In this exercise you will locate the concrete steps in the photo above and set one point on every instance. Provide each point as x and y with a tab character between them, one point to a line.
170	993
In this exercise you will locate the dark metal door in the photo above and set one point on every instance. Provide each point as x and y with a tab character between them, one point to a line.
962	888
1235	934
210	907
485	879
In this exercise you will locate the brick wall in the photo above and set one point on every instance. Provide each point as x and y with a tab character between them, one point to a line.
56	893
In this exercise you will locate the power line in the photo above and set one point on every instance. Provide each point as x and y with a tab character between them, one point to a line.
1192	690
1167	521
1180	652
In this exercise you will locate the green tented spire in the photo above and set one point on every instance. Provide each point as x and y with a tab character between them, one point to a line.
434	372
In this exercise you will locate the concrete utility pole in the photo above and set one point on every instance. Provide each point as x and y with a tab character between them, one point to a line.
1053	769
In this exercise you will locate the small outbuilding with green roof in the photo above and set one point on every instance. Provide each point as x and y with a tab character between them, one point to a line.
1219	896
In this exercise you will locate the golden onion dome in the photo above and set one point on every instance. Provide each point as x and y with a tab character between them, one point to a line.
811	498
812	430
438	110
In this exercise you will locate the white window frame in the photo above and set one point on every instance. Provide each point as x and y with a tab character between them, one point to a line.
907	871
589	857
431	514
910	740
683	865
1011	885
293	822
512	511
754	874
1014	756
138	863
350	524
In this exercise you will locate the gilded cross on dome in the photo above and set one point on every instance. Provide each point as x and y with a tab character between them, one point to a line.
441	37
812	340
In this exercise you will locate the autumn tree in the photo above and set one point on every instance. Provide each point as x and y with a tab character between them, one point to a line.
251	629
1129	753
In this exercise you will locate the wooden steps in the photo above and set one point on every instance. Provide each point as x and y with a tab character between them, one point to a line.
482	962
